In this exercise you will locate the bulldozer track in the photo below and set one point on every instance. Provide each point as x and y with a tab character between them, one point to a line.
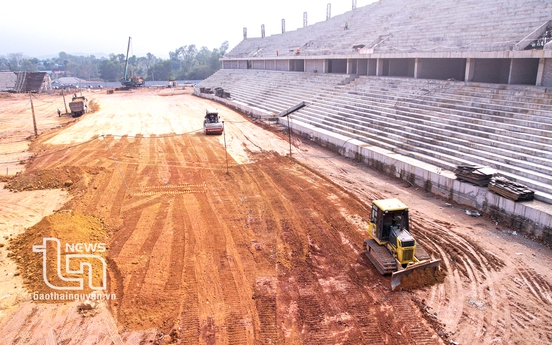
380	256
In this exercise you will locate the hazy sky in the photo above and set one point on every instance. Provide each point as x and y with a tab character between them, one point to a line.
40	28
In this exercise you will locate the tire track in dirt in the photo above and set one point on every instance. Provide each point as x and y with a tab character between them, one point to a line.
308	289
177	248
292	244
530	288
189	305
403	313
457	259
162	281
319	258
89	153
539	288
237	289
478	280
259	223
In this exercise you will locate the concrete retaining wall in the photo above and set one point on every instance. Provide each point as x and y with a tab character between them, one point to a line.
529	218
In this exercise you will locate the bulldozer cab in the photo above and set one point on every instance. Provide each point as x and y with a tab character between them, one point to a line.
386	215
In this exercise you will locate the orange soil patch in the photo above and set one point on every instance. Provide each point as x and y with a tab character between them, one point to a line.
61	177
77	234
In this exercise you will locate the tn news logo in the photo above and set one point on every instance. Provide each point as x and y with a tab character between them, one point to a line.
82	260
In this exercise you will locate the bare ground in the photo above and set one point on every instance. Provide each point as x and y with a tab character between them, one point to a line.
245	248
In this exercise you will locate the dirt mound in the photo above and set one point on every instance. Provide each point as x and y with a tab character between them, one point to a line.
5	178
76	234
62	177
93	106
422	278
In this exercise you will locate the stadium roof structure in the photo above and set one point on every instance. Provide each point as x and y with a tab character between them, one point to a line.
421	28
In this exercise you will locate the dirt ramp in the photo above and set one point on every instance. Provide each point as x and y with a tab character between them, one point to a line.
43	250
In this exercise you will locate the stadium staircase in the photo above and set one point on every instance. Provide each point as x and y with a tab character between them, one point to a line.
443	123
411	27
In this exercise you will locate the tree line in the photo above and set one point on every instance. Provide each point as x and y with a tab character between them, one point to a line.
184	63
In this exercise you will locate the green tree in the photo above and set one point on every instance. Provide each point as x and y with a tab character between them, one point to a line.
146	63
161	70
14	60
186	62
28	65
110	70
4	63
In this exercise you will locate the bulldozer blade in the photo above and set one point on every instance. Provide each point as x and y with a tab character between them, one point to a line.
396	277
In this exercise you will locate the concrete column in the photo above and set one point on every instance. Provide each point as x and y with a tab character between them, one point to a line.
540	72
470	68
510	72
417	67
379	67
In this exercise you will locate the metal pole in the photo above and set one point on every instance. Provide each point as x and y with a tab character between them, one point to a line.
289	134
225	151
34	119
64	102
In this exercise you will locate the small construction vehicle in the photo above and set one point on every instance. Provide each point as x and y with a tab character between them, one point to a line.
211	123
392	249
78	105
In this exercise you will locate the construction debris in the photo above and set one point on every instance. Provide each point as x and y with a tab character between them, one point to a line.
510	189
476	174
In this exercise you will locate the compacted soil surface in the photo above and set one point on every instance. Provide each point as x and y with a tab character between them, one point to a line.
226	240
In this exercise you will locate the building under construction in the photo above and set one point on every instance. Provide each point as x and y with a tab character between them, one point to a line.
22	82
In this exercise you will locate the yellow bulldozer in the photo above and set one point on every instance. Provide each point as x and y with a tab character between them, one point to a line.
391	248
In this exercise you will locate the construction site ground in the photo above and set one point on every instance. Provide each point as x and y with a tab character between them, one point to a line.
237	246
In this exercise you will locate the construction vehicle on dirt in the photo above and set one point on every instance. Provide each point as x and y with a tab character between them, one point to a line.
392	249
211	122
78	105
129	81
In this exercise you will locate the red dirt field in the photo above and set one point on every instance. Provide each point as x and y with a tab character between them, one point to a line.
248	247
